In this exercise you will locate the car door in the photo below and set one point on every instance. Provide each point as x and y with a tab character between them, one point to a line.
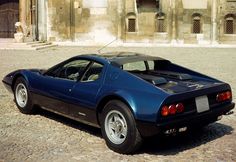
85	93
57	85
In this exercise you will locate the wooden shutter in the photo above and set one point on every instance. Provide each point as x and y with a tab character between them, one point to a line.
131	25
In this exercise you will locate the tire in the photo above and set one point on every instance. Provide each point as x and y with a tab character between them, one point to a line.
119	128
22	96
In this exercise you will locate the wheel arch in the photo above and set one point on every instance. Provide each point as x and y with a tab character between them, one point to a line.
108	98
16	76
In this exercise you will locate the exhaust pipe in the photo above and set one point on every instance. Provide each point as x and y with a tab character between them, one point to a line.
174	131
229	113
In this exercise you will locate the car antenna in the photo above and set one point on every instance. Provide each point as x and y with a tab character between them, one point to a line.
99	51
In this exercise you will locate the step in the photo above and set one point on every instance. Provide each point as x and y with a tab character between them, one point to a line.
35	42
41	44
46	46
26	46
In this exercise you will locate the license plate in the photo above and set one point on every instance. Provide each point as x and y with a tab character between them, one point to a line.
202	104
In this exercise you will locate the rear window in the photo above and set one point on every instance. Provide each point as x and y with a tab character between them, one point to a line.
138	66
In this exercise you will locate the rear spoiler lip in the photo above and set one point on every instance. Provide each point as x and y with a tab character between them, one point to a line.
196	93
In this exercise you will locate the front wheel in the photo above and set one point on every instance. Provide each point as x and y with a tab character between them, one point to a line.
22	96
119	128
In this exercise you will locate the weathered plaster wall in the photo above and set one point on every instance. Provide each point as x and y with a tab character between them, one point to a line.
96	23
226	7
101	21
82	21
59	20
146	24
185	24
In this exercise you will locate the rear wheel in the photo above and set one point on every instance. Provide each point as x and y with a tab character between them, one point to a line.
22	96
119	128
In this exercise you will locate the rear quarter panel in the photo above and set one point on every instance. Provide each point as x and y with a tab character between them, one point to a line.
143	98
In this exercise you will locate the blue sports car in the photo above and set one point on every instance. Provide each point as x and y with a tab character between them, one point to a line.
128	95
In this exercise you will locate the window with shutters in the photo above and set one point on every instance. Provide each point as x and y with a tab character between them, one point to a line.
196	22
229	24
160	23
131	25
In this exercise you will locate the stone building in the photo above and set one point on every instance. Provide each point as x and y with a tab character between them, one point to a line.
102	21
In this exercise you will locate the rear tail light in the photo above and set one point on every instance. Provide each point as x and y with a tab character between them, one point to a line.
172	109
165	111
224	96
180	107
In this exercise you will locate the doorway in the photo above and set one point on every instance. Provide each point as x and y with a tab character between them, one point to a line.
9	15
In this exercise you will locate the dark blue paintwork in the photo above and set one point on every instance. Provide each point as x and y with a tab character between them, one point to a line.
143	98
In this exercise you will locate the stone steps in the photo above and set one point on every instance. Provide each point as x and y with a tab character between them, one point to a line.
8	44
35	42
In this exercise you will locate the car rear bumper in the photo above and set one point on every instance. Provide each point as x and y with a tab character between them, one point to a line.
199	119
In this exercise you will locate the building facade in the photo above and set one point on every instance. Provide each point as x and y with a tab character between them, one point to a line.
102	21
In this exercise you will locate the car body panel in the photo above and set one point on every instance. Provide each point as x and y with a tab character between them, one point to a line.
81	100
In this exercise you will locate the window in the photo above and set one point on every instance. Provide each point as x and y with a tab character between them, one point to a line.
196	23
131	25
147	5
229	24
151	65
135	66
71	70
93	73
130	21
94	3
160	23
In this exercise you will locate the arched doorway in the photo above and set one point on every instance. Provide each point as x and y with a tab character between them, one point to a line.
9	15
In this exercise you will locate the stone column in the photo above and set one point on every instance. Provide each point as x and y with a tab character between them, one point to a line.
174	21
121	15
42	24
213	21
23	13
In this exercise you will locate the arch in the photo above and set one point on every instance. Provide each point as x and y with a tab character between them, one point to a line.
131	15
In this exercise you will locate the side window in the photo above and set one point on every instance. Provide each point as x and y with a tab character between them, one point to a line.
93	73
73	69
151	65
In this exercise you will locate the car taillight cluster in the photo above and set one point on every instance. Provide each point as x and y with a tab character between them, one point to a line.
172	109
224	96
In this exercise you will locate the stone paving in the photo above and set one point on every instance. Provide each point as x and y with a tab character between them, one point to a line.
49	137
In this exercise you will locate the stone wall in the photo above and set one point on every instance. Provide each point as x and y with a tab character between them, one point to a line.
59	20
185	24
102	21
75	20
225	8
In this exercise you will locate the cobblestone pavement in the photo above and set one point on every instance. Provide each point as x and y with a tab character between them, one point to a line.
48	137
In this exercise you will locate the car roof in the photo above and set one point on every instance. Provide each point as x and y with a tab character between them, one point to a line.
121	58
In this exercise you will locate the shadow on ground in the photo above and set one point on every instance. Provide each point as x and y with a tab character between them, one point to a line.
71	123
172	145
158	145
